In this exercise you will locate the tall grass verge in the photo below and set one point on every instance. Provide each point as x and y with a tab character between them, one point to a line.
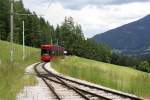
12	78
117	77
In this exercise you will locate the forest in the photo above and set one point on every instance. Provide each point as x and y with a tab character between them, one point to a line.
68	34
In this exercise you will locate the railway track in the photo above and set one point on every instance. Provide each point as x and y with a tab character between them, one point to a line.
67	89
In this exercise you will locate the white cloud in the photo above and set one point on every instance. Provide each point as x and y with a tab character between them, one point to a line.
78	4
94	19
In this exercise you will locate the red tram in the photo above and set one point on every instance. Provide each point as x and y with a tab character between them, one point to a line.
50	52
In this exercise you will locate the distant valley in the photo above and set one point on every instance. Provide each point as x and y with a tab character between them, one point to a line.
132	38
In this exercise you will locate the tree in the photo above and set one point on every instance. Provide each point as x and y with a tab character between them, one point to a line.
4	19
144	66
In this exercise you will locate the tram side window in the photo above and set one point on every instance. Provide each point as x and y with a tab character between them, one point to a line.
51	52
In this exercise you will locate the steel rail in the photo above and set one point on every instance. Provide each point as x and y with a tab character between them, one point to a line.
94	87
99	96
48	85
51	88
98	88
69	86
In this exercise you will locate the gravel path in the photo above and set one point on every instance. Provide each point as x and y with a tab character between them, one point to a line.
38	92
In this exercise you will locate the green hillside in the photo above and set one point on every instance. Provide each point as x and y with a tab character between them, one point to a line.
12	78
109	75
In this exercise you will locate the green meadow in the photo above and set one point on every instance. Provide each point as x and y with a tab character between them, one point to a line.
116	77
12	78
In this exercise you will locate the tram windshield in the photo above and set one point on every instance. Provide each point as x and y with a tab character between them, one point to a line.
45	52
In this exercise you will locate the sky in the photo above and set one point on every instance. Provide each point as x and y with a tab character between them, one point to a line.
95	16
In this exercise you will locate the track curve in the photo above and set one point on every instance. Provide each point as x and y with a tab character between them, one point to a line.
81	90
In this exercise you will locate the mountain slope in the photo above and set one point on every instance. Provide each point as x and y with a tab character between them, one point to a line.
132	37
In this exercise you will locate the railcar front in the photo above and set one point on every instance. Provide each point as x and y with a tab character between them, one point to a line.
51	52
45	53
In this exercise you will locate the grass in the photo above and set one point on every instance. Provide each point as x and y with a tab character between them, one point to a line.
109	75
12	78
